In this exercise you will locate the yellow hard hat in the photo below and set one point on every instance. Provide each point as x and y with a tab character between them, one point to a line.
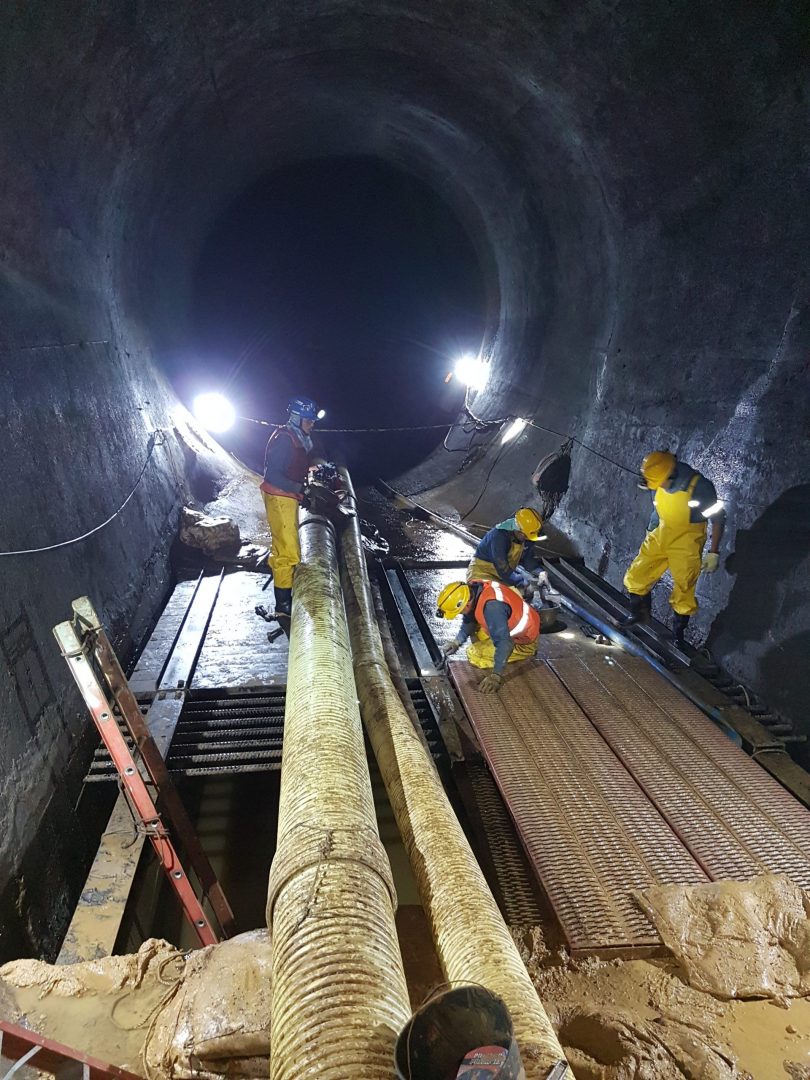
656	467
452	600
529	522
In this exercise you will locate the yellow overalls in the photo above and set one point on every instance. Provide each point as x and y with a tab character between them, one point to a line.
285	549
675	544
482	570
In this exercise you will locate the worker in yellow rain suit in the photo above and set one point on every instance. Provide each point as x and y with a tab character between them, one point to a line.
498	555
504	628
684	503
286	463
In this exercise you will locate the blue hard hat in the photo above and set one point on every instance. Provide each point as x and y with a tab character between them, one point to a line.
304	407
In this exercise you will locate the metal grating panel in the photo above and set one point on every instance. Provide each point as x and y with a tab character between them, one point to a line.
514	875
220	732
588	829
734	817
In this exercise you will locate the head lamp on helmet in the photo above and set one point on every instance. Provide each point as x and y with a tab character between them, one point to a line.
453	599
303	408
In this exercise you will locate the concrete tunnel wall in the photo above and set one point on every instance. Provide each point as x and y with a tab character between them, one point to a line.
634	178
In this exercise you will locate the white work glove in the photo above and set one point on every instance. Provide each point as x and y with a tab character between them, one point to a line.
711	561
451	647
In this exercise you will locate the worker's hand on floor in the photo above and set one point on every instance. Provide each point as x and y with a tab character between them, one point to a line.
711	561
450	647
491	684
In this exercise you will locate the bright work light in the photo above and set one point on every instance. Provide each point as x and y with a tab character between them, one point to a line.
214	412
471	371
513	430
321	413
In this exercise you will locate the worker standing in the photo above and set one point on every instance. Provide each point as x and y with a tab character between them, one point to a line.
286	463
499	553
501	626
684	503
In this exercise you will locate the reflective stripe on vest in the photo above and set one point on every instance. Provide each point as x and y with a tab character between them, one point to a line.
523	621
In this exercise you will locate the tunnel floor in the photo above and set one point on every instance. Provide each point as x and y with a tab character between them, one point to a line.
588	778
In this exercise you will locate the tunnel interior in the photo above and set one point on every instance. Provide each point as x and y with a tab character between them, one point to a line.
608	203
350	282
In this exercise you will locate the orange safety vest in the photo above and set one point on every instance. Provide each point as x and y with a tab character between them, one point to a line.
524	620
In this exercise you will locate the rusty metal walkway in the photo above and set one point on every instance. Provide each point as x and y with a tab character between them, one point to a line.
615	782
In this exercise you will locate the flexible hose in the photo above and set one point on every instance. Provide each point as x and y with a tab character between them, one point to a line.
339	993
472	940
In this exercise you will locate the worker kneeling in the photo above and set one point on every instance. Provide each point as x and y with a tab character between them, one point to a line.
500	625
500	551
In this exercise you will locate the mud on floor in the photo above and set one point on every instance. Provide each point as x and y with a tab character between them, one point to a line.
639	1020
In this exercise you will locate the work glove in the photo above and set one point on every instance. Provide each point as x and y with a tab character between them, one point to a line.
523	576
491	684
711	561
451	647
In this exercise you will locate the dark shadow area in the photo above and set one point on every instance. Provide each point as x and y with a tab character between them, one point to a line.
346	280
770	592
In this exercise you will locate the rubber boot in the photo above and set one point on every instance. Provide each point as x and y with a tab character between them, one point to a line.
283	602
640	609
679	625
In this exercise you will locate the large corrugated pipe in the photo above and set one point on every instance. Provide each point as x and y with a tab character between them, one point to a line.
339	992
472	940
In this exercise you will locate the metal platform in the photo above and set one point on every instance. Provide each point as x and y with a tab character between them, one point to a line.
616	782
228	731
592	835
733	816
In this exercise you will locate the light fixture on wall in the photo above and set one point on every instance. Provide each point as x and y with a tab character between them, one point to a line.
514	429
471	371
214	412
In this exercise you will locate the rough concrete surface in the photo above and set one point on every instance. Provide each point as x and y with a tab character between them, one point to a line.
634	178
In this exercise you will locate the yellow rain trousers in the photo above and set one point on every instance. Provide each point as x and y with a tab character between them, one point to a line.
481	652
676	544
481	570
285	550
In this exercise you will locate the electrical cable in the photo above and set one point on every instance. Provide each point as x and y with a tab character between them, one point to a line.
495	460
156	438
361	430
472	426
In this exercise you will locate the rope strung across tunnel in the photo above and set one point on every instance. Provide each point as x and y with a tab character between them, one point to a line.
476	422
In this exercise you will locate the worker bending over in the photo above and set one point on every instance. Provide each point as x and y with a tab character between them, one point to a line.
502	627
286	463
498	555
684	503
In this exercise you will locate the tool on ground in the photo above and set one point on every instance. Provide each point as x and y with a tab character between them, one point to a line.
557	1072
280	617
103	685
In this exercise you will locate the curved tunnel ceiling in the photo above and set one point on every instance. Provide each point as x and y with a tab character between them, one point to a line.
633	178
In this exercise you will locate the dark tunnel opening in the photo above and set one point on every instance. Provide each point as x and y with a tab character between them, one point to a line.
346	280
